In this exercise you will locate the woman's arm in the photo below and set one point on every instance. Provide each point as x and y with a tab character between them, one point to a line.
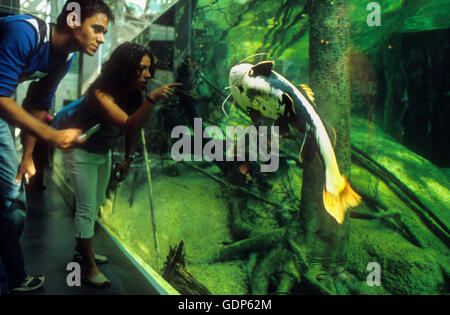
130	144
124	167
117	117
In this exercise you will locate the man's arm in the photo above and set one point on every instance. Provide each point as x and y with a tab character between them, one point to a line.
27	166
16	115
16	46
29	140
62	139
13	113
39	99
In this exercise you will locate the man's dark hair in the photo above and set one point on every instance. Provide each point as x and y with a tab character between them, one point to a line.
88	9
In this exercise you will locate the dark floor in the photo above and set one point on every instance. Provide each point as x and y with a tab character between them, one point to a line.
48	246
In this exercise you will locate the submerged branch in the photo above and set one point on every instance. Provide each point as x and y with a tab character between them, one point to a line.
239	228
239	188
255	244
404	193
260	280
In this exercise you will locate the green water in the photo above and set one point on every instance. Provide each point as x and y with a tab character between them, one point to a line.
395	87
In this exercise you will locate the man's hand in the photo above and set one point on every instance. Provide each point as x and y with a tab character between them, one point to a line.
67	139
26	167
122	170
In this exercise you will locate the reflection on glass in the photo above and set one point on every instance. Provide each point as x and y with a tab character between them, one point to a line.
208	224
235	230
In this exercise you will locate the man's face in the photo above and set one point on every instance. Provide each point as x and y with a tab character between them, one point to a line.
90	35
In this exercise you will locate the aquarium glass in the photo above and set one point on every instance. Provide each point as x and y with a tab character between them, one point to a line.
221	225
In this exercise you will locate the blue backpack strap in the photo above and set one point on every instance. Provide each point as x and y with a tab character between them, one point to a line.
42	30
42	26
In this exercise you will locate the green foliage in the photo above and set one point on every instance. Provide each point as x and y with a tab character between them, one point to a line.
228	31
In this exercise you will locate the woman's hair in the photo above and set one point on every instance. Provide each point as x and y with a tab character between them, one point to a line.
120	71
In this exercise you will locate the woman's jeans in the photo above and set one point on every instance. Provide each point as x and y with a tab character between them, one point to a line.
12	213
89	174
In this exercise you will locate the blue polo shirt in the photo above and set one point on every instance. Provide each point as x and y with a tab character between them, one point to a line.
19	39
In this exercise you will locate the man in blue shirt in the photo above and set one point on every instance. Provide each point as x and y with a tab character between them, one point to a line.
22	53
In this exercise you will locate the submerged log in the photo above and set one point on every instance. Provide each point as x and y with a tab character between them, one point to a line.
175	273
240	229
239	189
256	244
435	225
260	280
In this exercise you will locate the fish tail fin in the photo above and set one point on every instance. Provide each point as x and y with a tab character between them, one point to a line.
337	205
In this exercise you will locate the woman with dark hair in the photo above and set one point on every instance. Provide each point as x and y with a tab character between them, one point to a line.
116	102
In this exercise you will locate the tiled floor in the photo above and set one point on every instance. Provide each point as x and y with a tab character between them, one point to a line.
48	246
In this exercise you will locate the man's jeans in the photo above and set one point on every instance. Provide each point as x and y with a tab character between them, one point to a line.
12	214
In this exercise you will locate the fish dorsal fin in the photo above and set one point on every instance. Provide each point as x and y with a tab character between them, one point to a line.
331	134
288	101
307	91
333	137
263	68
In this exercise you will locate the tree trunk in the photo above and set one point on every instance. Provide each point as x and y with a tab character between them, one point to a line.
322	237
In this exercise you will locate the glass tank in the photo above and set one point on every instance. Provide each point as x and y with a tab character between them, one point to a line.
306	152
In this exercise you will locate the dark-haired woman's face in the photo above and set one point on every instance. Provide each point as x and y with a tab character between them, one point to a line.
143	73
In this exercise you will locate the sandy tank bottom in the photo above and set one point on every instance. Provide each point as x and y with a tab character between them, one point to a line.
187	208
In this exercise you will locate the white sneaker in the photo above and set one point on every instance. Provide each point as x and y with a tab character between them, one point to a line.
30	283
